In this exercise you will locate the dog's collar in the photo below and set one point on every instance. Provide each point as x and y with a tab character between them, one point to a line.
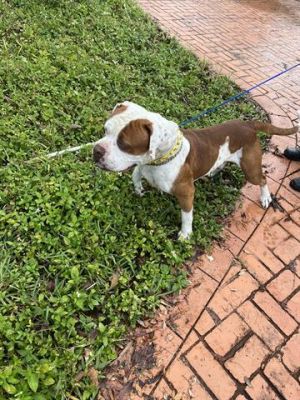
170	154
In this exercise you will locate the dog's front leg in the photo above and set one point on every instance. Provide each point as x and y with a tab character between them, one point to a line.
137	180
186	225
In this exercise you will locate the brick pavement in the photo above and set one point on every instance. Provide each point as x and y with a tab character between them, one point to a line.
234	332
248	40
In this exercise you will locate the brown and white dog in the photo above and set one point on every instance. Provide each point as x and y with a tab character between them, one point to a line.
171	159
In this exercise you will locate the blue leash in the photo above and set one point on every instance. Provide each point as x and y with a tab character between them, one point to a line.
232	98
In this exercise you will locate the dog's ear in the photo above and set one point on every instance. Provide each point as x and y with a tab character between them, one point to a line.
163	134
135	137
154	144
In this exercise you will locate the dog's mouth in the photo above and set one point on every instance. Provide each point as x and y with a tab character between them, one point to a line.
103	167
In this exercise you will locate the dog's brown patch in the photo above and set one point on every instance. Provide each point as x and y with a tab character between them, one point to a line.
135	137
251	164
204	150
205	143
118	110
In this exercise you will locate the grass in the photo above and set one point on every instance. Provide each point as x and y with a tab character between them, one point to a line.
82	258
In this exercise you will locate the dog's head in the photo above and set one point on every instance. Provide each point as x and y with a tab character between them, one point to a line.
133	136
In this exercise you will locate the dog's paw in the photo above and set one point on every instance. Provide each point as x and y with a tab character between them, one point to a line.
183	236
139	191
266	200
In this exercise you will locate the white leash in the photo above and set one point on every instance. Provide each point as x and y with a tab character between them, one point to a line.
68	150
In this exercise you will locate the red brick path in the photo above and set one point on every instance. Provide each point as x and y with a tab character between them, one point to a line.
234	333
248	40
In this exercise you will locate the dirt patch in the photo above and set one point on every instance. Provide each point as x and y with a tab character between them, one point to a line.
124	374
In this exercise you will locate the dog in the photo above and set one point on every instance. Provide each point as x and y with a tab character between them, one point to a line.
172	159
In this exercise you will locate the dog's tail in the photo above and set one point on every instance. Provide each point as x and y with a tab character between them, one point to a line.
271	130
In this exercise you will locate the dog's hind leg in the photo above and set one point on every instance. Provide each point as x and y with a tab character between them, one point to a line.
265	195
137	181
251	164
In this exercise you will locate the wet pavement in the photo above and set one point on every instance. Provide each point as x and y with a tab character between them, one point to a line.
248	40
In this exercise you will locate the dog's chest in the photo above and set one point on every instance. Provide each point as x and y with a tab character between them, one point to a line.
163	177
157	177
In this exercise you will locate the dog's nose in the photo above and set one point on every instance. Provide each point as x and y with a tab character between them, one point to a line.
98	152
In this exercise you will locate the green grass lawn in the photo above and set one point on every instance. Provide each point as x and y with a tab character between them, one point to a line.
82	258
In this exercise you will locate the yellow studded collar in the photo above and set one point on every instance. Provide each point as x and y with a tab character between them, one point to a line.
170	154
